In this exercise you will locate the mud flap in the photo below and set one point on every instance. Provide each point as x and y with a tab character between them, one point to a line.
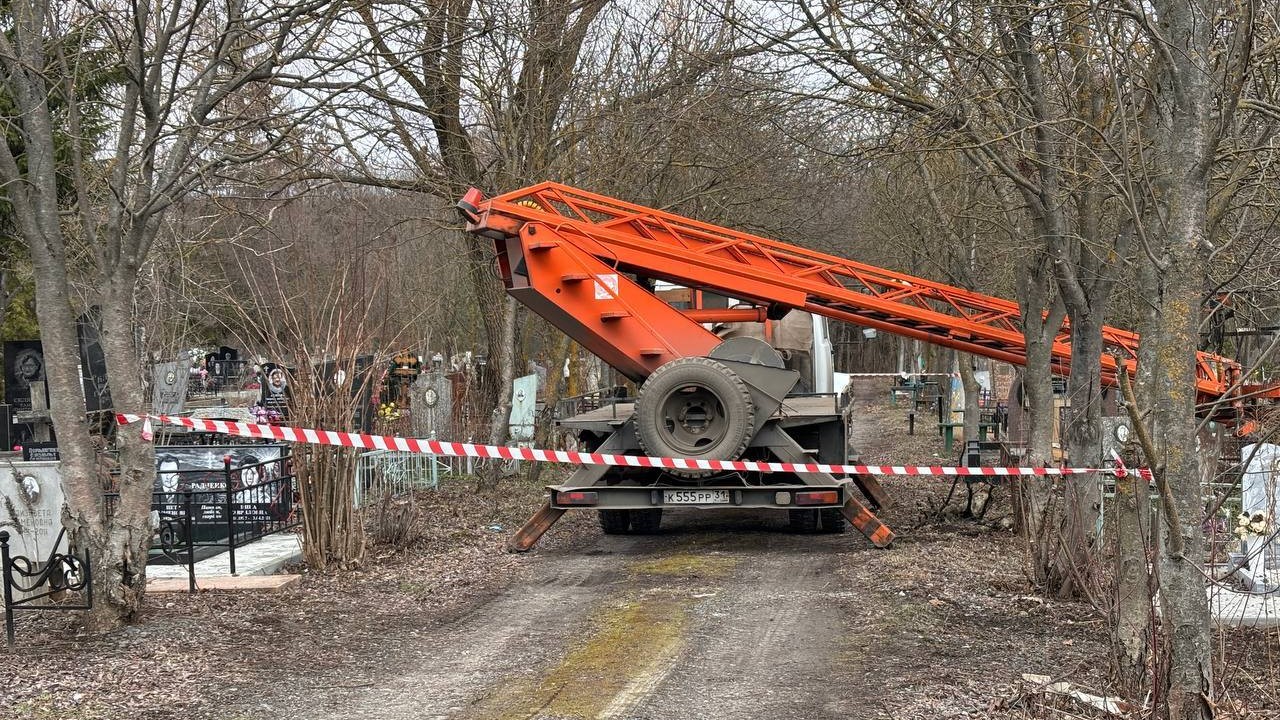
546	516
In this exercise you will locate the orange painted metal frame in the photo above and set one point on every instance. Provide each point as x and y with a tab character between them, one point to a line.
583	233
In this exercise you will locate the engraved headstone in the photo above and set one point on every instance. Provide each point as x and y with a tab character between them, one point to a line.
224	362
1260	501
258	495
1115	433
31	508
40	452
524	404
93	363
23	370
275	388
168	387
431	406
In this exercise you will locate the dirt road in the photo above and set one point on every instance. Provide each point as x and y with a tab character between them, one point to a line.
721	616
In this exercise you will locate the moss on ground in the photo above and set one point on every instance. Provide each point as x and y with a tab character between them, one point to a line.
628	641
687	565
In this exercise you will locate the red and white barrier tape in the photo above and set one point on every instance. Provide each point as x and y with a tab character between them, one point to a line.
439	447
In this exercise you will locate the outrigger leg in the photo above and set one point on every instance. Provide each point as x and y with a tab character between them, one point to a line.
877	532
528	534
546	516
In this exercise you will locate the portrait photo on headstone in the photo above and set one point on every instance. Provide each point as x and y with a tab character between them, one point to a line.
23	368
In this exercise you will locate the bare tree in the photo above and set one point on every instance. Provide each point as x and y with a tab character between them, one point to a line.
173	71
462	93
1201	69
496	95
971	78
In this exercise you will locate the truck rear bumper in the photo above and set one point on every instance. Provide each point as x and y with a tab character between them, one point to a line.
622	497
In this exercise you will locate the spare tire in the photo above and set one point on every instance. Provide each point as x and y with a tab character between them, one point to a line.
696	408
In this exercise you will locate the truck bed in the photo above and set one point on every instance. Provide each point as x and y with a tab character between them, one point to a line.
797	410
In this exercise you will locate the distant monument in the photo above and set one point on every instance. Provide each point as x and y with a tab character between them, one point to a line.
431	405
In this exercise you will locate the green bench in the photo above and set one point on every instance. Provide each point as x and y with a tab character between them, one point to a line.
903	391
948	432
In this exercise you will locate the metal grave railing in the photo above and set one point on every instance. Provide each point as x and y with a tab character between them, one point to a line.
379	472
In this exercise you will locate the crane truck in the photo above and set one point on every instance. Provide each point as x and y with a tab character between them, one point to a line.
591	264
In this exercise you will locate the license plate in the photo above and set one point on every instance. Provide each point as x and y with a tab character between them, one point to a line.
695	497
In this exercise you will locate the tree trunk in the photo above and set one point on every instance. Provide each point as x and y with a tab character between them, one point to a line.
1188	107
1082	436
490	299
500	420
544	434
972	396
1134	557
1036	493
1182	589
121	547
84	516
1173	338
1133	609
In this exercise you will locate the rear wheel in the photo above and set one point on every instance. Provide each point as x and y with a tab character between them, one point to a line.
614	522
646	522
694	407
833	521
803	521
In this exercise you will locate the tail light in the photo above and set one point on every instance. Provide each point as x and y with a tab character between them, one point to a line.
818	497
577	497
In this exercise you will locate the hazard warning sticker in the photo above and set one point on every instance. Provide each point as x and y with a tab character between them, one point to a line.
606	286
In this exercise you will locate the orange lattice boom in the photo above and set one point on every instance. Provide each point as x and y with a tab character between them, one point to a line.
566	252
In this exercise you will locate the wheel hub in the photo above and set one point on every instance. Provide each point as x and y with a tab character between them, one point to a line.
693	418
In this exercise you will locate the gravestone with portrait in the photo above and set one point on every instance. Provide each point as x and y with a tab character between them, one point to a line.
169	387
31	503
27	392
1260	508
224	363
274	383
524	406
23	370
262	492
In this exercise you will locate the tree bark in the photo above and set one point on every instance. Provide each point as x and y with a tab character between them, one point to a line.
972	396
1182	589
1041	320
1134	613
1082	435
1186	102
124	542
